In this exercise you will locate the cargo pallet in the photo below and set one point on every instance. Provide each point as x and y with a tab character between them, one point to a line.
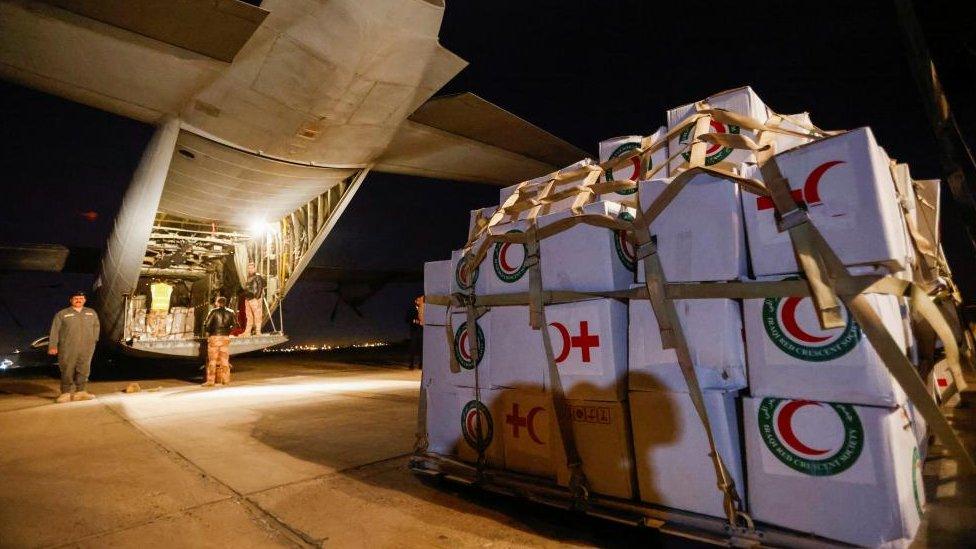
684	524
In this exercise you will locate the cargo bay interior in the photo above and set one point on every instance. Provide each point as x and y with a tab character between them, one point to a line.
221	208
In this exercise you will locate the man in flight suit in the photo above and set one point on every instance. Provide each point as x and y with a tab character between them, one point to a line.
219	324
74	333
254	306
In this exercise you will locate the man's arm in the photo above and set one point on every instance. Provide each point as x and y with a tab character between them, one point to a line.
52	338
233	322
96	328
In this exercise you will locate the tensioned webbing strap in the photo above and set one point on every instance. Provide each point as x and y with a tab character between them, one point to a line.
794	219
667	317
578	484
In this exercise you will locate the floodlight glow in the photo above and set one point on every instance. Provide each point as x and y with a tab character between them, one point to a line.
257	227
261	227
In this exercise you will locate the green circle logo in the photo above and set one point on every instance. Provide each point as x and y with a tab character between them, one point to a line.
625	250
830	447
634	175
792	326
715	153
462	277
508	260
462	349
476	425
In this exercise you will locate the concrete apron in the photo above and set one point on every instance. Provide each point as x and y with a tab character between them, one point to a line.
297	461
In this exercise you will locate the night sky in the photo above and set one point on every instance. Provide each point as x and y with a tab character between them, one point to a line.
581	70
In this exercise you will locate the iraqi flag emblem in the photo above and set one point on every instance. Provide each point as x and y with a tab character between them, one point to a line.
476	425
815	438
791	324
715	153
508	260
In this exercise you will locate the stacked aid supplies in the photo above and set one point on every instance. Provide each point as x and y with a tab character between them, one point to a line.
678	324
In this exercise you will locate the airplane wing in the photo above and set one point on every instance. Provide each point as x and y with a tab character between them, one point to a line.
49	258
463	137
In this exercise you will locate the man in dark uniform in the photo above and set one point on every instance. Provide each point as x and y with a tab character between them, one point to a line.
415	319
74	333
218	326
254	304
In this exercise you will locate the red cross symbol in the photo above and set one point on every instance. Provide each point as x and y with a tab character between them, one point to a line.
515	420
584	340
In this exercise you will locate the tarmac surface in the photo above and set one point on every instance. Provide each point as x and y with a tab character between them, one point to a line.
300	450
297	451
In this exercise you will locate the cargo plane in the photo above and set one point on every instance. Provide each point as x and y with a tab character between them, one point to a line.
268	116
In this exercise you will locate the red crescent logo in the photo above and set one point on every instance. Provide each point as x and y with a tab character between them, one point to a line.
564	333
463	345
718	127
636	173
503	257
785	425
530	425
811	190
472	421
792	326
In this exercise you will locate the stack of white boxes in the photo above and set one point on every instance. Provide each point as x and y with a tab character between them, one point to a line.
794	409
825	418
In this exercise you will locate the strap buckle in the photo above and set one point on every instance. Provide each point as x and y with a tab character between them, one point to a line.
647	249
791	219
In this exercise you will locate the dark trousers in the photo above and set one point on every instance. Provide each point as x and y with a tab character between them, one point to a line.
416	346
75	367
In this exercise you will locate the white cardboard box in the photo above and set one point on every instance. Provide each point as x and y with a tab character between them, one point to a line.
789	355
583	258
589	344
618	146
671	449
700	235
600	429
848	473
796	122
713	330
468	413
739	100
850	196
437	281
443	427
538	183
436	361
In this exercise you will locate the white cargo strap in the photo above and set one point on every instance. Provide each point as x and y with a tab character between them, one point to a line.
578	485
667	316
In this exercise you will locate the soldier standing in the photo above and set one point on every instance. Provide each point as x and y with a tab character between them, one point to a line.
254	304
219	324
74	333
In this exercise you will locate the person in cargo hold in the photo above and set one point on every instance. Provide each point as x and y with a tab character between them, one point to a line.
74	333
254	304
219	324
